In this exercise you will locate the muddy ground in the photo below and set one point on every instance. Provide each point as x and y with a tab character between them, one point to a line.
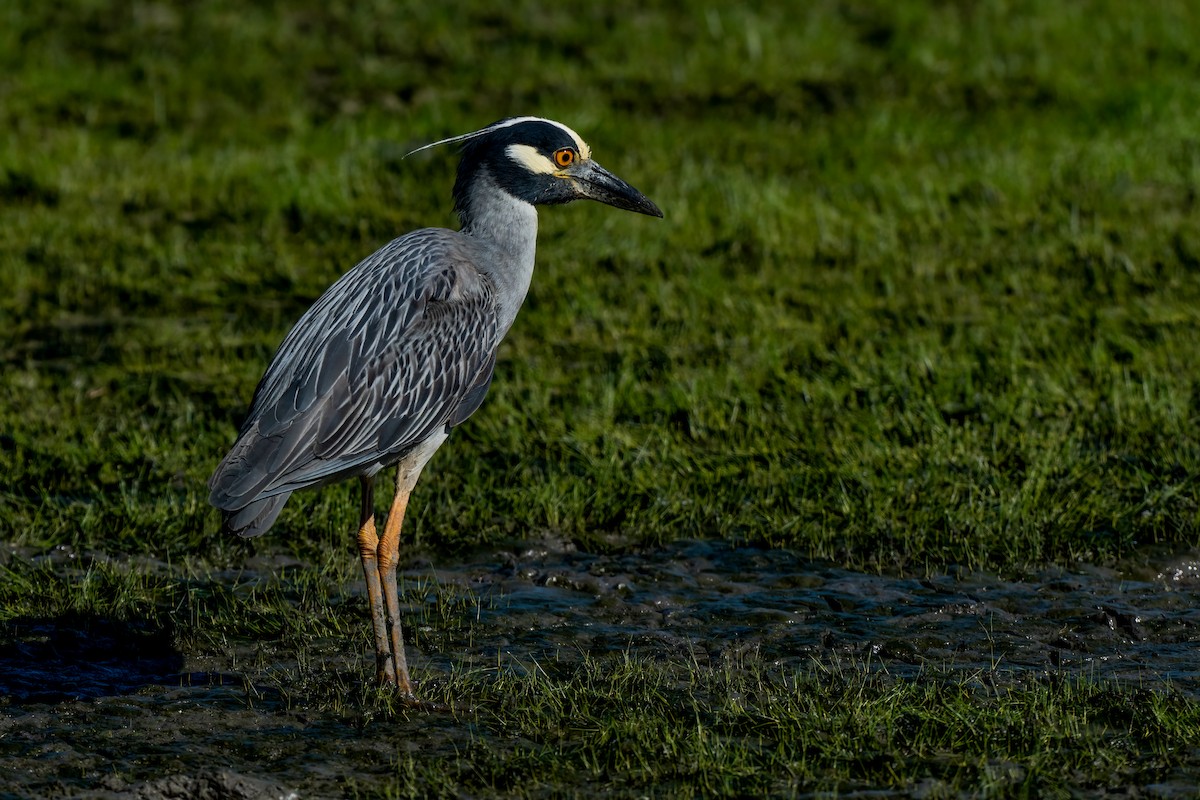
104	709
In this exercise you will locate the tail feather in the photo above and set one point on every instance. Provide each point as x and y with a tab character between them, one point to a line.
255	518
237	487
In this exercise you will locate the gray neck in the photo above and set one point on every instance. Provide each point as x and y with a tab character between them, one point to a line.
506	229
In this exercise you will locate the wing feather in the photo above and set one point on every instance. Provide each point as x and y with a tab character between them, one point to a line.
381	361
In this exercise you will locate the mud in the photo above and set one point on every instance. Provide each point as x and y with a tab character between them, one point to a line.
1139	621
98	708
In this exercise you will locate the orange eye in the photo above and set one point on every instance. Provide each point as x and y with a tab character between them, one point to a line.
564	157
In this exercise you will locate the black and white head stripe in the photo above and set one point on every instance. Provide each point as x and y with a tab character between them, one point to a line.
511	122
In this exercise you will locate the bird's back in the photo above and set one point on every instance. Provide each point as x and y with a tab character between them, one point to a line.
400	347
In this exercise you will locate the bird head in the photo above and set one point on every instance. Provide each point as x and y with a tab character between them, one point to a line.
541	162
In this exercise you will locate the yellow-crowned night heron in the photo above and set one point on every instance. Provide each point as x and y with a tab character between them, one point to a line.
401	349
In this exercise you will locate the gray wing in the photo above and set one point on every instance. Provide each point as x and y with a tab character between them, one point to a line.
401	345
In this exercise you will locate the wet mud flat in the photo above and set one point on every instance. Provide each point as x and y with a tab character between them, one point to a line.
105	709
1140	621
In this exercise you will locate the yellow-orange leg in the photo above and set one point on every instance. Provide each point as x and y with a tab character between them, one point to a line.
368	549
389	556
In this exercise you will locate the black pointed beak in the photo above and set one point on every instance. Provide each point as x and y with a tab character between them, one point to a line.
596	183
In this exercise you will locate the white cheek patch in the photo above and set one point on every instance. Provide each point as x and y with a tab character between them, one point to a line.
529	158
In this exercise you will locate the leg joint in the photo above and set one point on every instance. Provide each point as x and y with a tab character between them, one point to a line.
368	542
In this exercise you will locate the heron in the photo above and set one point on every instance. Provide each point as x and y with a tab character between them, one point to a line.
401	349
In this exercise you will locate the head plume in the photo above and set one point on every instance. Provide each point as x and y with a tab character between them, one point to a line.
507	122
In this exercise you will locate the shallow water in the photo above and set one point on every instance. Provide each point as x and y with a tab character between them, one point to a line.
80	715
1140	621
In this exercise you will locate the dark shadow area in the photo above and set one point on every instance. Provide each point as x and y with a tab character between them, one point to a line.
80	656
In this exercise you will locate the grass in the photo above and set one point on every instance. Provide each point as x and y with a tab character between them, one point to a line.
742	730
925	297
929	299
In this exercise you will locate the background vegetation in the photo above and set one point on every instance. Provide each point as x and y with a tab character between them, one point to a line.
926	289
927	292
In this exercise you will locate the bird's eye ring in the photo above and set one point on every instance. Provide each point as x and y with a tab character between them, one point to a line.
564	157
